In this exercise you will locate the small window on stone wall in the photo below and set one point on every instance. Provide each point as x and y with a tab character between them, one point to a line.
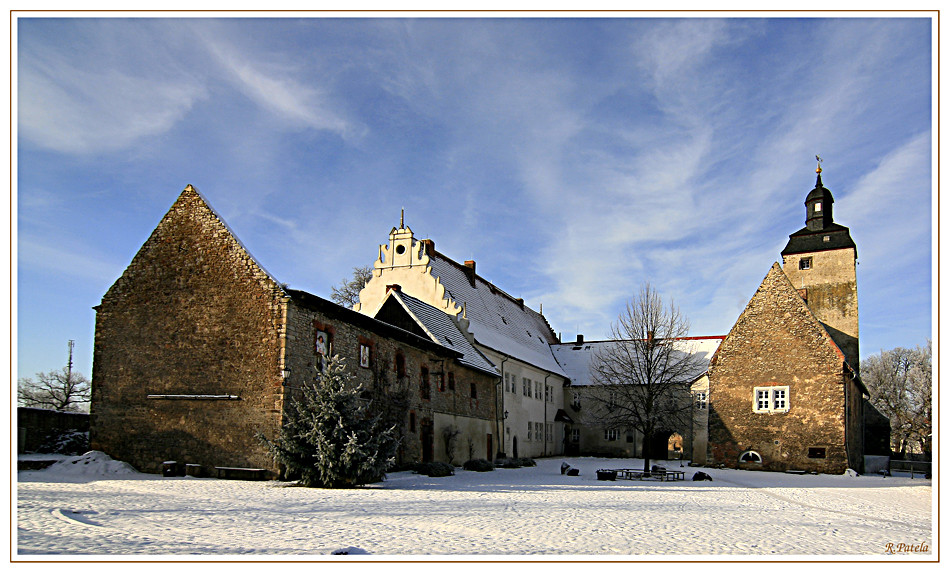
804	263
424	389
364	355
400	365
817	453
452	381
412	421
474	390
322	344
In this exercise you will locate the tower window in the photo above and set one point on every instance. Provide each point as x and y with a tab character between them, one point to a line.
817	207
804	263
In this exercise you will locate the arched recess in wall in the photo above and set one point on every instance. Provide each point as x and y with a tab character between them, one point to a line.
750	456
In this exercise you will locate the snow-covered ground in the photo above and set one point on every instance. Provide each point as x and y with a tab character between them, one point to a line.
97	507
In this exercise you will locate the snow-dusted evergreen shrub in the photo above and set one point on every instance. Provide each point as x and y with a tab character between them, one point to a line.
331	438
479	465
68	442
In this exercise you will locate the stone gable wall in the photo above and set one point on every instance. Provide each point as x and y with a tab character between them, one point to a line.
192	315
776	342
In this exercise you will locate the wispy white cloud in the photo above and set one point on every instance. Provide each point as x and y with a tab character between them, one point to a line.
899	186
275	89
66	261
70	108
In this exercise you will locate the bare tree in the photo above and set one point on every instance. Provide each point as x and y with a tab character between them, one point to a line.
348	293
900	383
62	390
642	380
450	436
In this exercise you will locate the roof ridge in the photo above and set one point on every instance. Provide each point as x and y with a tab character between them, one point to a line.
496	289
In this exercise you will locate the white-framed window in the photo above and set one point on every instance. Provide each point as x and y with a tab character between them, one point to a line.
770	399
701	400
537	390
817	207
526	387
611	435
575	435
530	430
804	263
576	403
548	432
538	429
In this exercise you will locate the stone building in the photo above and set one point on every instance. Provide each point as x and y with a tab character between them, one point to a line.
783	386
529	399
198	350
682	440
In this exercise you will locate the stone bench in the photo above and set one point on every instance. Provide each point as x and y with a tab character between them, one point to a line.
247	474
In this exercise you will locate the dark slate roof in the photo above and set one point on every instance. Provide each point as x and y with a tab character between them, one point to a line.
440	327
806	240
369	323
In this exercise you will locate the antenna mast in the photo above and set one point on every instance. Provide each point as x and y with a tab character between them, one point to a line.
69	365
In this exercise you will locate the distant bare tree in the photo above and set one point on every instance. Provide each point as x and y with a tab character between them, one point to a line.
55	390
348	293
901	383
642	380
62	390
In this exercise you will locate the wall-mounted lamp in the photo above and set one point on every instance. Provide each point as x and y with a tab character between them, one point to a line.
506	414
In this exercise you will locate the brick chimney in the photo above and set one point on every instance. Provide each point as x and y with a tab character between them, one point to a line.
429	246
470	271
580	339
396	288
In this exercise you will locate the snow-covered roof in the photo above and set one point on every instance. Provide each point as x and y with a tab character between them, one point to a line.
441	328
496	319
576	358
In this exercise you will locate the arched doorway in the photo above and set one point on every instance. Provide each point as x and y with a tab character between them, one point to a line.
663	443
674	447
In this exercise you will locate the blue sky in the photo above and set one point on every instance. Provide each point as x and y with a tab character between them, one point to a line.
573	159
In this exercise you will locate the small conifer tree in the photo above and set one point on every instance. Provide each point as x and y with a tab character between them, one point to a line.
331	437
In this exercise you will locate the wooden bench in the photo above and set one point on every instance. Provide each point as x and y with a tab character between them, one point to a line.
248	474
